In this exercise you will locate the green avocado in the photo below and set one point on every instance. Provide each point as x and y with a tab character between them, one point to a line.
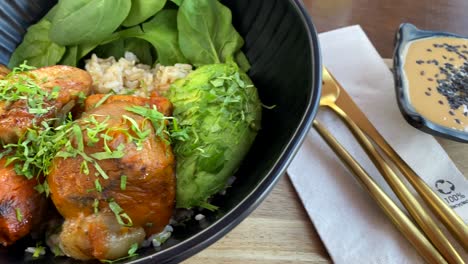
219	108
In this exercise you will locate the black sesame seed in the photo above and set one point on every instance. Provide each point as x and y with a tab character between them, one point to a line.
429	50
457	120
419	61
429	88
436	75
422	73
451	113
440	102
465	113
451	59
445	57
428	93
464	46
430	79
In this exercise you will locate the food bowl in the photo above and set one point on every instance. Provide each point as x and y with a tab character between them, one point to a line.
429	99
281	44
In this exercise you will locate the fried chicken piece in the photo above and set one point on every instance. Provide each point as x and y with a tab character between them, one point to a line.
92	228
4	71
162	103
16	116
21	207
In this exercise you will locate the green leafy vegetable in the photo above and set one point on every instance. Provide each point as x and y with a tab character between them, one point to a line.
141	10
242	61
37	49
141	48
177	2
70	57
206	33
220	109
80	21
161	32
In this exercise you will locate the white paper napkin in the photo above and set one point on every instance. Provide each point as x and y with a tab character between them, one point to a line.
351	225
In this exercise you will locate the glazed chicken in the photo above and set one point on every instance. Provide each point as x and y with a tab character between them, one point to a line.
67	82
103	220
4	71
21	207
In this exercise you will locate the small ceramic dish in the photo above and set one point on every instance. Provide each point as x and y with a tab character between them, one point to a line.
430	71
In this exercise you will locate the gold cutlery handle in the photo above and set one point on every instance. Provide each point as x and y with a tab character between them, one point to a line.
415	209
399	219
448	216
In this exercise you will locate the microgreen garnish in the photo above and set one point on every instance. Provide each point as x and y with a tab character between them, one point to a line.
119	214
97	185
37	250
34	152
133	249
96	206
123	182
23	85
19	215
159	122
103	99
43	188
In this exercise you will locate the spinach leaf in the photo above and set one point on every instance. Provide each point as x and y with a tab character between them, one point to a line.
161	32
206	33
242	61
50	15
141	10
177	2
75	53
141	48
79	21
36	48
70	57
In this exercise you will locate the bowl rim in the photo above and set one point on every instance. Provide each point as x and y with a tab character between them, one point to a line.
235	216
407	33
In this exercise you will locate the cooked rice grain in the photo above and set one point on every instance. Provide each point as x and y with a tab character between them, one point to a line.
127	76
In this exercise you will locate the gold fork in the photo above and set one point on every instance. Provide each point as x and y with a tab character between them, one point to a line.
393	212
330	95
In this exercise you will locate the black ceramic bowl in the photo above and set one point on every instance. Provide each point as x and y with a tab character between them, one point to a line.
404	36
281	44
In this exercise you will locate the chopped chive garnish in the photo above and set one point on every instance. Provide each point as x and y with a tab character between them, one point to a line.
97	185
119	215
103	99
123	182
96	206
133	249
19	215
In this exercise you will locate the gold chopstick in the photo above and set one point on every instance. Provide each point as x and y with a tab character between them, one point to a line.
415	209
400	220
451	220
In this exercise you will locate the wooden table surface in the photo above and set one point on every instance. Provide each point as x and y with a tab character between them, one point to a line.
279	231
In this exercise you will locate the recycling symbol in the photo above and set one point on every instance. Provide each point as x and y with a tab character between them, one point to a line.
444	186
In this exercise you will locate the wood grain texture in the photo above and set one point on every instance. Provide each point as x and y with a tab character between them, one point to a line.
380	18
279	231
